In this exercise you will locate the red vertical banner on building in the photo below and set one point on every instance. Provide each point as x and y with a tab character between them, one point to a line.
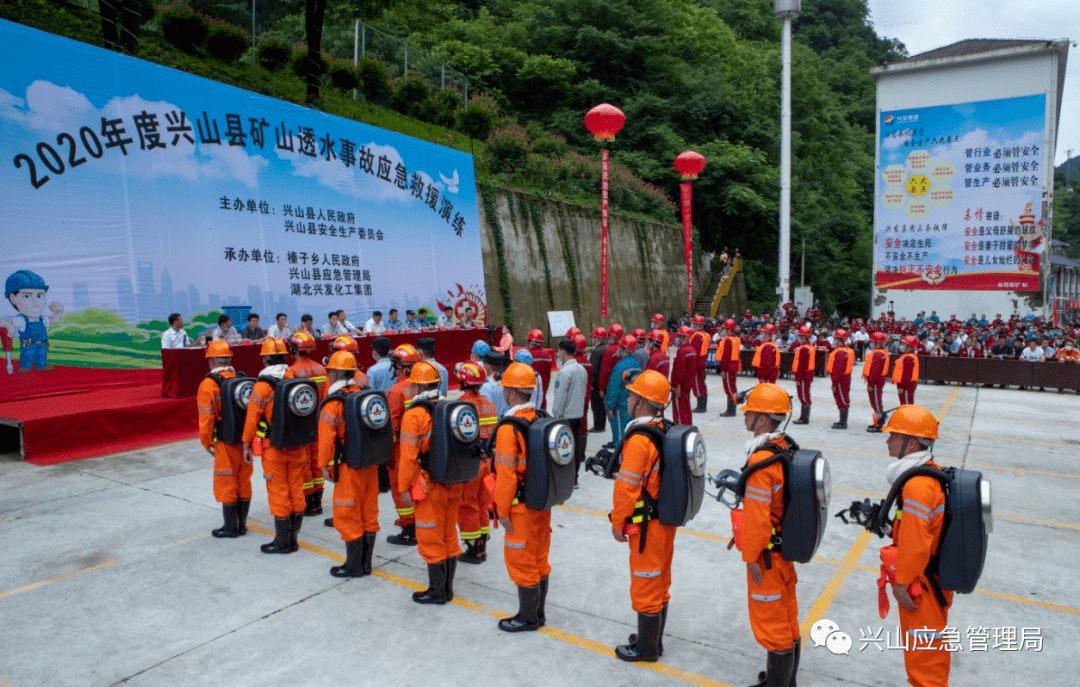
603	232
688	242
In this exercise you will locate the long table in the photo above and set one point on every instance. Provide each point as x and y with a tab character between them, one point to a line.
184	368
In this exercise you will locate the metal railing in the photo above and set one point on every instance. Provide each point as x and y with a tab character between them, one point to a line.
725	286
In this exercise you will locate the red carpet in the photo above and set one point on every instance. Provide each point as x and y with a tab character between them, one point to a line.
71	380
73	424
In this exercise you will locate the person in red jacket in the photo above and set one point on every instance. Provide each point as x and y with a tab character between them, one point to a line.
475	497
611	357
398	399
232	473
699	341
906	373
301	345
802	368
729	362
683	376
543	361
874	372
923	604
659	359
767	357
841	360
659	324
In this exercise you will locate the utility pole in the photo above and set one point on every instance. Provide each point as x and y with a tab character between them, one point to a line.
786	10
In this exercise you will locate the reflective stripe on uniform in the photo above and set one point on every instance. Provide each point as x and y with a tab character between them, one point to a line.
308	485
425	525
223	472
485	530
629	474
763	499
257	400
470	535
765	597
344	503
634	482
425	436
206	410
268	477
403	511
508	461
649	573
331	419
514	545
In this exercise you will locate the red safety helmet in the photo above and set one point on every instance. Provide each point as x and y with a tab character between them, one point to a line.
471	374
345	343
805	331
572	332
768	329
911	341
658	318
628	342
406	354
615	330
600	333
657	335
535	335
684	331
840	334
638	333
698	319
730	324
580	343
877	337
302	341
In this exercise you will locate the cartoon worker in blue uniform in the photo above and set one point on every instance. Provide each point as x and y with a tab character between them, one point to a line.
26	292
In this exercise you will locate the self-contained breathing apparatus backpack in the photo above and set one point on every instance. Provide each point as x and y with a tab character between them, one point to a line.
235	393
807	490
550	470
369	436
961	553
455	455
294	422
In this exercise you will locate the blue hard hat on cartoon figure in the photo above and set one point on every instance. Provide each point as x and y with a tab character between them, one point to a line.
23	279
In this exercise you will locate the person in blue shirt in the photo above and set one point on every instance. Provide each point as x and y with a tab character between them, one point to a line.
425	347
394	324
26	291
523	356
480	349
381	374
494	364
617	396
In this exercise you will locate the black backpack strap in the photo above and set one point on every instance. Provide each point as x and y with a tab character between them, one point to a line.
645	507
521	427
422	457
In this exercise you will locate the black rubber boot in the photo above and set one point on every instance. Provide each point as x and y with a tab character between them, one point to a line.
231	528
843	420
329	522
730	412
407	537
451	570
369	550
779	669
314	504
804	416
354	558
436	591
384	478
242	508
879	421
646	642
700	405
473	554
528	607
660	640
282	537
796	650
541	615
297	520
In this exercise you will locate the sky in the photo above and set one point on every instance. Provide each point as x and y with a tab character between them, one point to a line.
927	24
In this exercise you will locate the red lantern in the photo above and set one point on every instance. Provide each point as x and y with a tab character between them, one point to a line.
689	164
604	121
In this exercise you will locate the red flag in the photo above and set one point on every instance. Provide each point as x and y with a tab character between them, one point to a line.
603	232
688	242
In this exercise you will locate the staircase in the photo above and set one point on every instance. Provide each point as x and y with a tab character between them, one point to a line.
704	301
719	289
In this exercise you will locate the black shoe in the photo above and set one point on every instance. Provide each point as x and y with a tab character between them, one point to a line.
329	522
231	528
369	549
730	412
804	416
843	420
384	478
779	669
528	606
660	641
700	405
354	558
242	508
407	537
314	504
282	537
541	615
596	430
451	570
436	591
473	553
297	520
646	642
796	650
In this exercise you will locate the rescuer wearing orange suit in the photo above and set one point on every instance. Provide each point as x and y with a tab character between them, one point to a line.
398	398
475	497
347	343
774	611
767	356
906	372
841	360
301	345
729	362
652	544
699	341
232	473
923	614
356	492
282	469
802	368
437	507
875	371
527	537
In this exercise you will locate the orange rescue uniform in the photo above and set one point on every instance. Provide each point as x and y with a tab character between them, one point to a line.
916	535
650	569
232	474
436	515
356	492
526	550
475	497
774	610
283	470
398	398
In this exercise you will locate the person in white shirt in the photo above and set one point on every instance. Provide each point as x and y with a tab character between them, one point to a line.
223	332
375	324
332	326
1048	350
174	336
343	320
280	329
446	319
1033	352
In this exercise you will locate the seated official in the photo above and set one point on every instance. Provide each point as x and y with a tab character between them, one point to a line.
280	329
253	332
175	336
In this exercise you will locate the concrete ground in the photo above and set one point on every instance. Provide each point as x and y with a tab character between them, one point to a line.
109	575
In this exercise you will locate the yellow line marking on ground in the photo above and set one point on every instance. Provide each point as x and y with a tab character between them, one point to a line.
833	586
584	643
948	404
1013	439
1032	602
54	580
